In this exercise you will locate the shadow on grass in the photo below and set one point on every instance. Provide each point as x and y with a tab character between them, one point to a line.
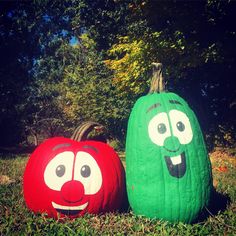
218	203
13	152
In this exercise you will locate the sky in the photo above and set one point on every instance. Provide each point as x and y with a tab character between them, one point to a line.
73	41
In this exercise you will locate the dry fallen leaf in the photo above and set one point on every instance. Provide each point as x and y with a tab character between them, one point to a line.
4	179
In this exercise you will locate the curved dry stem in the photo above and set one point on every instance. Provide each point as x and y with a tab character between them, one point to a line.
81	132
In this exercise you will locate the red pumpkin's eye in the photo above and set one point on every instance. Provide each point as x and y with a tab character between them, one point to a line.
88	172
59	170
85	171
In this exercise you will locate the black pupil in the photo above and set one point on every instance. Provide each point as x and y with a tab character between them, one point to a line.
161	128
85	171
180	126
60	170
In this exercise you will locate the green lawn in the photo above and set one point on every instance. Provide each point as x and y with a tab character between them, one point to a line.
16	219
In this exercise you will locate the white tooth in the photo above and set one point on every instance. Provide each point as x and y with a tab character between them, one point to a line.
176	160
81	207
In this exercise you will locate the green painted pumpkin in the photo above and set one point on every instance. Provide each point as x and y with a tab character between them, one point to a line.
168	171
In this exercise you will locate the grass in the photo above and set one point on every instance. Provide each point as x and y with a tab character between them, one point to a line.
16	219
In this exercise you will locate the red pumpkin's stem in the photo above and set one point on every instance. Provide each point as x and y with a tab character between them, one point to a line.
81	132
157	82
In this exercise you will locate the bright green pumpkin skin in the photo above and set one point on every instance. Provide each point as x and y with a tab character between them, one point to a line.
168	171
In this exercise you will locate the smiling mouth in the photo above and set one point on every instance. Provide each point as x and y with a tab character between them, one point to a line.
176	165
69	210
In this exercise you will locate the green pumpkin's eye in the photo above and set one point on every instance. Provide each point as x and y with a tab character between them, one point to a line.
180	126
161	128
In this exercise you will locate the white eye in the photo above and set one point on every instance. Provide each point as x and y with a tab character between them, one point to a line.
59	170
88	173
159	128
181	126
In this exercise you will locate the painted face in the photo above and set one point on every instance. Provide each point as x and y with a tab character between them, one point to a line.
71	177
171	131
68	178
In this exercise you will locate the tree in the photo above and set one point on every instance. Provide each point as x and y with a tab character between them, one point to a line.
16	53
47	84
29	33
87	91
198	64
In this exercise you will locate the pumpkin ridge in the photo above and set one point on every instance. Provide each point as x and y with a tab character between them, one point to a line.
152	190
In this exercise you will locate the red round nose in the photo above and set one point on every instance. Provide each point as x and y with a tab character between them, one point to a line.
72	191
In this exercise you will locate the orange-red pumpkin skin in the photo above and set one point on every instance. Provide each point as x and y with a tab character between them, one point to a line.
64	177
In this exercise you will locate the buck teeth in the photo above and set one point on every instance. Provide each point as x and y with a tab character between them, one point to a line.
73	208
176	160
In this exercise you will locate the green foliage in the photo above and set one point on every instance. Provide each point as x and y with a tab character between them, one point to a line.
103	19
27	32
86	89
131	59
42	111
194	41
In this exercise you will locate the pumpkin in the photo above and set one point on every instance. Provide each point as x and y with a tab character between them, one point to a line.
168	171
64	177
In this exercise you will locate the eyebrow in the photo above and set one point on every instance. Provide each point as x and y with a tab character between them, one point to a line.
91	147
174	102
61	146
153	107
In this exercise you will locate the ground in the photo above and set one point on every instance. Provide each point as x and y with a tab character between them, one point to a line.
16	219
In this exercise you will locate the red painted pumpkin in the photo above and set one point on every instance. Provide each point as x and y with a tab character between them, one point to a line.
64	177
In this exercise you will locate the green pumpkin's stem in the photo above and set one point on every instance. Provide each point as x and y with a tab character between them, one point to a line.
157	82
